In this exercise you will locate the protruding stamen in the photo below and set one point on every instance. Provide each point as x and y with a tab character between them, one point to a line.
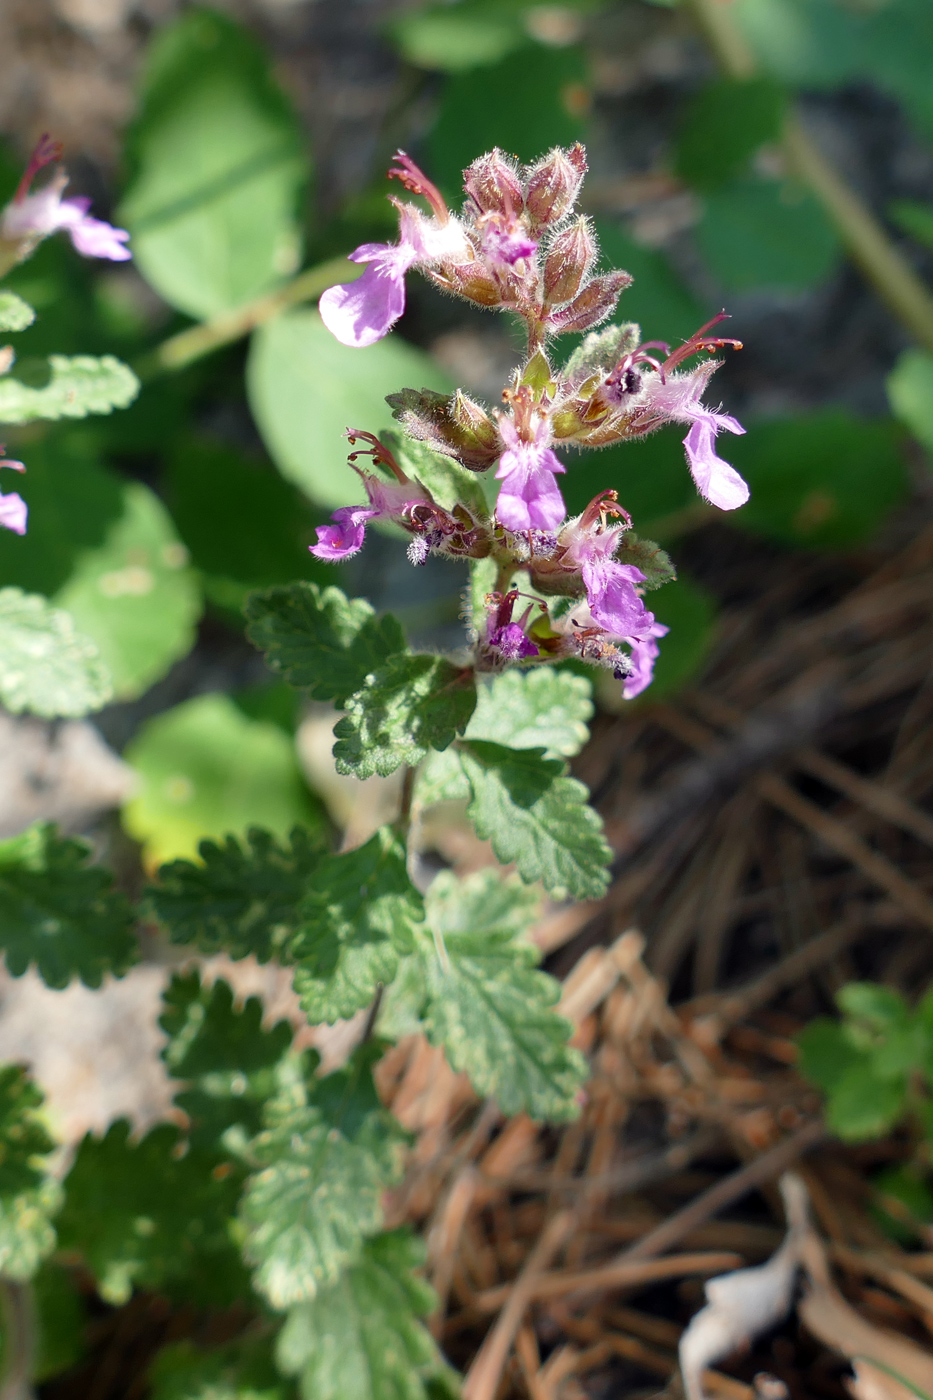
376	450
700	341
416	182
46	151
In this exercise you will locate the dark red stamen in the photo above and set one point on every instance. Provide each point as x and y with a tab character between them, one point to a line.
416	182
700	341
375	450
46	151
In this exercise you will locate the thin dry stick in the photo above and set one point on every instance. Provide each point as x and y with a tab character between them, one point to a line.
883	801
628	1275
482	1379
763	1169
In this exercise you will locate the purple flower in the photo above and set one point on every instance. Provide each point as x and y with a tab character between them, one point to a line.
29	218
529	497
360	313
677	399
345	538
511	641
610	592
644	654
505	241
13	509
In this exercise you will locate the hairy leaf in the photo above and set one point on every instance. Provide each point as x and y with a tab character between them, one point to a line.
488	1006
61	913
534	709
148	1215
241	1370
15	314
654	562
28	1196
356	917
362	1338
243	898
46	665
79	385
224	1054
602	349
536	817
320	639
448	483
327	1155
412	704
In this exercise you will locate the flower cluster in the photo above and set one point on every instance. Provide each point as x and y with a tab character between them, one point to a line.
32	215
519	246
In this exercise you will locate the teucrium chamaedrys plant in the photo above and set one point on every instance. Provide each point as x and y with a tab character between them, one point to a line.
278	1181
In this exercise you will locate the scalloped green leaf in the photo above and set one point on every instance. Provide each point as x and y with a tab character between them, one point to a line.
536	817
79	385
60	913
15	314
357	916
319	639
46	665
412	704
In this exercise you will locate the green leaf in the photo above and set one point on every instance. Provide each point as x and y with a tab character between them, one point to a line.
863	1105
15	314
224	1054
361	1338
28	1196
760	233
218	169
531	100
240	899
915	218
536	817
72	502
60	913
600	350
79	385
725	124
448	483
910	394
46	666
487	1005
357	916
825	480
305	389
61	1321
410	705
455	40
135	596
827	1054
327	1155
150	1215
543	709
241	1370
320	639
654	562
204	770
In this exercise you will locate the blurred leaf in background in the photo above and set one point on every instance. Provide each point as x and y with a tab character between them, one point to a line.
759	232
134	594
305	390
724	125
824	480
218	166
910	393
206	769
657	300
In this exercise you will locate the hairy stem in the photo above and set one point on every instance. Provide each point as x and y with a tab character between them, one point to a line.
898	285
190	345
19	1340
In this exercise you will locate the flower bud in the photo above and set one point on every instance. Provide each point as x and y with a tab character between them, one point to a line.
470	280
568	261
451	424
554	184
597	301
492	183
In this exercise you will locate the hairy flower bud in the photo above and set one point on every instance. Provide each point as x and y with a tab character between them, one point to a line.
553	185
597	301
470	280
569	259
492	183
451	424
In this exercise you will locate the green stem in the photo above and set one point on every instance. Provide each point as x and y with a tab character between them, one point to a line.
185	347
898	285
19	1340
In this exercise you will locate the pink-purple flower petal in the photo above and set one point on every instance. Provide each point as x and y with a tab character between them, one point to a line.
13	512
345	537
717	481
